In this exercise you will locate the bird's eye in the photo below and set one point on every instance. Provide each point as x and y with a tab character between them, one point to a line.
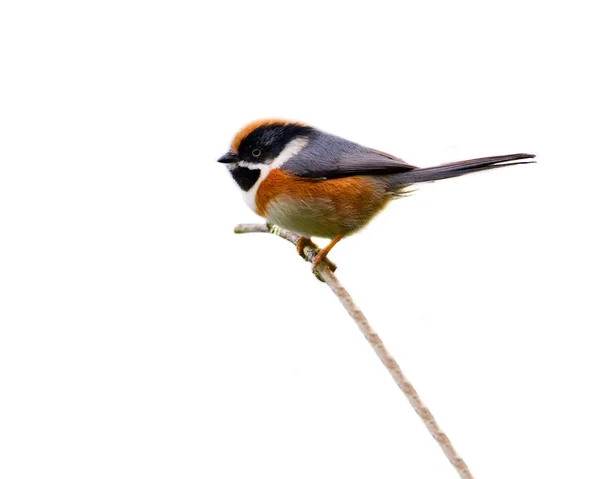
256	152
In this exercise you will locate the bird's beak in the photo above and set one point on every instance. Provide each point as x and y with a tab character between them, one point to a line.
229	157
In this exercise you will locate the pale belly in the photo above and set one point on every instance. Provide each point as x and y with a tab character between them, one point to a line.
305	217
320	208
315	217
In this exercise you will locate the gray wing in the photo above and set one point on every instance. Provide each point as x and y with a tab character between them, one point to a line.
329	156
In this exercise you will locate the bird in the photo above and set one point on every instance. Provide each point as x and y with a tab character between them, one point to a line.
316	184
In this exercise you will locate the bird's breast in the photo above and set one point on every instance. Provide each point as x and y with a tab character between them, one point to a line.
322	208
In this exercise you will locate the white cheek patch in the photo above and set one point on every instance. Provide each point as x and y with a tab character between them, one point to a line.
291	149
251	166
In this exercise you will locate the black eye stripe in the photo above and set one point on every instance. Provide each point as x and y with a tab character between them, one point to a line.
270	140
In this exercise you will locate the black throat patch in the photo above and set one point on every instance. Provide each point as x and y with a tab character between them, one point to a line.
245	177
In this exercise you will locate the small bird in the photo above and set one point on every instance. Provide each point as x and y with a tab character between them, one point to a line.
317	184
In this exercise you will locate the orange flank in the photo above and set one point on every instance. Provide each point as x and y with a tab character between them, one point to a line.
354	198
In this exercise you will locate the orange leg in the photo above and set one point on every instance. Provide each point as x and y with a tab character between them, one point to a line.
302	243
323	253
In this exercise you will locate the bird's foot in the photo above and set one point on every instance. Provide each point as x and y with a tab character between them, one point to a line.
274	229
302	243
321	257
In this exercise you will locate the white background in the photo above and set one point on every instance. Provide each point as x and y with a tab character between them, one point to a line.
140	338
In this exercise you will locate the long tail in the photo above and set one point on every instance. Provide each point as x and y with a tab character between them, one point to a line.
459	168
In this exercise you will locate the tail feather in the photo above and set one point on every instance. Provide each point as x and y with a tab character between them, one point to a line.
459	168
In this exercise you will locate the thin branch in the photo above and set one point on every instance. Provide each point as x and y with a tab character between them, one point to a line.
374	340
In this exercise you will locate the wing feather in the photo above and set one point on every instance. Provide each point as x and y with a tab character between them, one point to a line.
329	156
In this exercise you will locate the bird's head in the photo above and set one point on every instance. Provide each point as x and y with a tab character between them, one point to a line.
262	144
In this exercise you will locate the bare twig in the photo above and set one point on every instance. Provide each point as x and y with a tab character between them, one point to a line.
325	274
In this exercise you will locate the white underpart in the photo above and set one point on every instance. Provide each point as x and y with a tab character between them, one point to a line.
291	149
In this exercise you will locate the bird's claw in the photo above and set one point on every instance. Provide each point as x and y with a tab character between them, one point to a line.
321	257
276	230
302	243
